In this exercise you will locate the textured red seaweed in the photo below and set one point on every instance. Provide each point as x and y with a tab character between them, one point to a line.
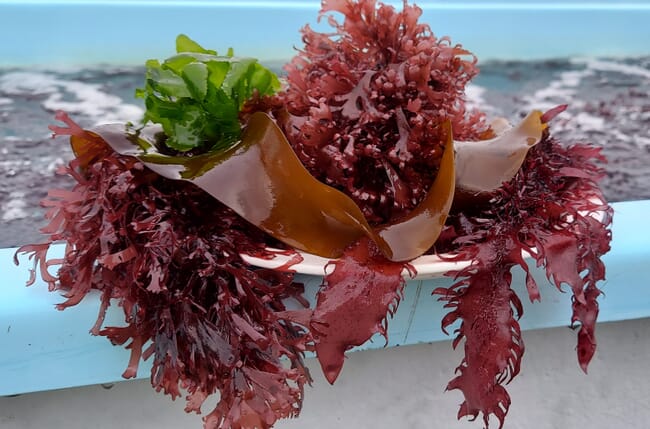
562	221
356	299
362	107
169	255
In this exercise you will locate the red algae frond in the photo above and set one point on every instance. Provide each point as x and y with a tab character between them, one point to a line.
365	103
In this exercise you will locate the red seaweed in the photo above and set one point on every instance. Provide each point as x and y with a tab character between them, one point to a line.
562	221
364	103
168	254
353	304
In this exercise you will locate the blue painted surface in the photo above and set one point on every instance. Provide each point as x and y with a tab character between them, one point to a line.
67	33
46	349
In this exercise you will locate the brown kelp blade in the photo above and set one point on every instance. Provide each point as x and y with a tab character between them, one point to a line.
264	182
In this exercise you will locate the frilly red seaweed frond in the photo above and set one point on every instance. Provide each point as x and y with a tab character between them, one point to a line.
364	104
168	255
562	221
354	303
488	310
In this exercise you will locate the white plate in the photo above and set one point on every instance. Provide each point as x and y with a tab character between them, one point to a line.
426	267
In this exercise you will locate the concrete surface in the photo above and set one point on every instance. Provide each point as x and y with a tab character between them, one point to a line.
400	388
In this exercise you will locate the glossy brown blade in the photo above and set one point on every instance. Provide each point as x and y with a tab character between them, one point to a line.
262	180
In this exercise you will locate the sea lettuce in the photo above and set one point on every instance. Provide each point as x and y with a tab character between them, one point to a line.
196	95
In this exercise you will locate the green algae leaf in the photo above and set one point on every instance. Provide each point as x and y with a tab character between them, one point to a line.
196	95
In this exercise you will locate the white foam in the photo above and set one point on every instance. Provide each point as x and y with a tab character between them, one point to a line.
14	139
620	136
12	166
72	96
583	121
93	102
5	101
54	165
27	83
612	66
474	95
561	90
475	98
15	208
642	141
588	122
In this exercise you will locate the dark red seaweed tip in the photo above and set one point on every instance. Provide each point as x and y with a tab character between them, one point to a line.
586	348
72	129
331	357
550	114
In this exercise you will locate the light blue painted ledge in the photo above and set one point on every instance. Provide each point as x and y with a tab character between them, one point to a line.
44	349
